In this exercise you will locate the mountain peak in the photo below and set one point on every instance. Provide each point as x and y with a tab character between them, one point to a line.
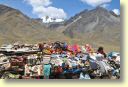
97	26
100	9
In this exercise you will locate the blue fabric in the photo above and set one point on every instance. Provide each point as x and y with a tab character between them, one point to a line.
111	54
76	70
93	65
63	55
114	71
47	69
63	65
53	55
65	45
85	57
70	70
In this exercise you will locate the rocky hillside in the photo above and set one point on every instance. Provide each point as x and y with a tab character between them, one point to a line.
98	27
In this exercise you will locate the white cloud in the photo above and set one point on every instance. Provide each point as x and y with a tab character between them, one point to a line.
95	3
43	8
35	3
105	5
116	11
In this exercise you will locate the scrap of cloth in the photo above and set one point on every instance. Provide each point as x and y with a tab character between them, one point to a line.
46	69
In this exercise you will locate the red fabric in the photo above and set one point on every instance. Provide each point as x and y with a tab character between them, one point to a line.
59	69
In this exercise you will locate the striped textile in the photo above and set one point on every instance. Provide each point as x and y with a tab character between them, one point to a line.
46	59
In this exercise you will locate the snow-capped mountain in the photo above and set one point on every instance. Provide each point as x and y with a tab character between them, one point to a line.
48	19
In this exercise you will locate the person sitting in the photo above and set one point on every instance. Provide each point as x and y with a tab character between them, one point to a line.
101	51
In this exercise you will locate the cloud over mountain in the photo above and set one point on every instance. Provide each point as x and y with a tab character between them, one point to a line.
43	8
95	3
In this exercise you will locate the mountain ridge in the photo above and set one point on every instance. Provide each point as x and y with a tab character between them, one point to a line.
97	27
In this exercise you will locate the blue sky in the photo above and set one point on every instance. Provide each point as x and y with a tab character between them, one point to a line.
59	8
